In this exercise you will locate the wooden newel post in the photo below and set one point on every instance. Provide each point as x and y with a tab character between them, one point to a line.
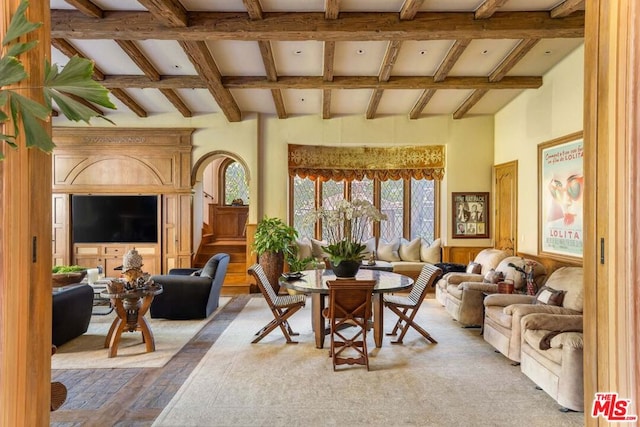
25	253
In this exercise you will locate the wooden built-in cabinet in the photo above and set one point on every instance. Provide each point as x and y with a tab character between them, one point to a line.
126	161
109	255
228	222
460	254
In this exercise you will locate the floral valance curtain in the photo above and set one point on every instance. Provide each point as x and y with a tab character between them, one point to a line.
349	163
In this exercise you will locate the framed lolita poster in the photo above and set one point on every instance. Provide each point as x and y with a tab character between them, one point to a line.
560	197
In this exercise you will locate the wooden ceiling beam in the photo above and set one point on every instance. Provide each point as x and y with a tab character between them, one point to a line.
331	9
566	8
253	8
488	8
410	9
385	72
129	102
177	102
199	55
450	60
326	104
469	103
87	7
272	75
139	58
327	64
313	26
69	50
170	12
421	103
522	48
373	103
318	82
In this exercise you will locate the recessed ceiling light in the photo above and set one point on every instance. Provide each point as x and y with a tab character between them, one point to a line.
484	52
548	52
177	66
360	51
301	99
423	52
297	52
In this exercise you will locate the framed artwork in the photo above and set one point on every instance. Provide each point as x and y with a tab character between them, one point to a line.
470	215
560	197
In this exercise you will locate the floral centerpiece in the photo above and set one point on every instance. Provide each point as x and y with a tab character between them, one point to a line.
344	228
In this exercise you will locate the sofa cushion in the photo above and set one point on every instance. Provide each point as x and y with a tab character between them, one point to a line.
493	276
410	250
533	337
316	248
198	272
550	296
403	266
388	251
474	268
430	253
209	269
569	279
305	250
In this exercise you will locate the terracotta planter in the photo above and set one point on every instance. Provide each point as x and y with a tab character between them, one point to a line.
273	265
346	269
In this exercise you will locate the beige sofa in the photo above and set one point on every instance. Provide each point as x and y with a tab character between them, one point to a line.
465	301
503	313
487	258
552	358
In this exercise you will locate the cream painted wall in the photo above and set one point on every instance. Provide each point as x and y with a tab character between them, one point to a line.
554	110
469	154
261	143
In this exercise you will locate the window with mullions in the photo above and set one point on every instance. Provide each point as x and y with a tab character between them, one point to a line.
411	206
235	183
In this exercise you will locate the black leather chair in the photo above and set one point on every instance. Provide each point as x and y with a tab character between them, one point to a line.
71	314
187	296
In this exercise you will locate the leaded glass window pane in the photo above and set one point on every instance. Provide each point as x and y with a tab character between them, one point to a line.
391	197
235	184
363	190
332	193
303	203
423	209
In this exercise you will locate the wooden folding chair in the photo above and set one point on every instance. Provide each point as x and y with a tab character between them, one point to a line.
349	305
282	306
406	307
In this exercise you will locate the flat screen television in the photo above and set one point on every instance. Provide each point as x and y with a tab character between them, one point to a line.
114	219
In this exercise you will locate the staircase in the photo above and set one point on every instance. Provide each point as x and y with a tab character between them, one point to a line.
236	281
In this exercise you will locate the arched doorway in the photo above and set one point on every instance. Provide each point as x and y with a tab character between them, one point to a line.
220	182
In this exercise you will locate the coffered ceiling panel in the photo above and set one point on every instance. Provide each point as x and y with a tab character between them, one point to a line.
317	57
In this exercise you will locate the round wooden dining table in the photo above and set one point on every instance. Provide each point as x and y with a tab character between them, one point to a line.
314	282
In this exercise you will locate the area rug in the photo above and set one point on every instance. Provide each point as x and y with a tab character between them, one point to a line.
87	351
460	381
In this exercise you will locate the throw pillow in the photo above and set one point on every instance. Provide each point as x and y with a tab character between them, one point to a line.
550	296
388	251
209	269
196	273
430	252
493	276
305	249
474	268
409	250
316	248
370	246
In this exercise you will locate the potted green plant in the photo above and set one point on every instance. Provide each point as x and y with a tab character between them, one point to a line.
60	86
271	241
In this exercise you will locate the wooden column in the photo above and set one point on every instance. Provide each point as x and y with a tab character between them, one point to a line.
611	253
25	255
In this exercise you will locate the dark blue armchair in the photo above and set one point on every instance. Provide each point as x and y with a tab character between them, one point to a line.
190	293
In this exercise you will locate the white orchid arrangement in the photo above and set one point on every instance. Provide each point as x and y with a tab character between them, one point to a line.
345	226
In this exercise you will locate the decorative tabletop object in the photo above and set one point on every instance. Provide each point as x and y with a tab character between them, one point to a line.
345	226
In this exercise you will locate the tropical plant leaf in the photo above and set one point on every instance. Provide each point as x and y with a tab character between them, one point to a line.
35	134
75	78
31	106
19	48
72	109
11	71
19	24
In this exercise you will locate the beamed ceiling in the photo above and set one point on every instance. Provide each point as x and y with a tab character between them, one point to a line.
316	57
